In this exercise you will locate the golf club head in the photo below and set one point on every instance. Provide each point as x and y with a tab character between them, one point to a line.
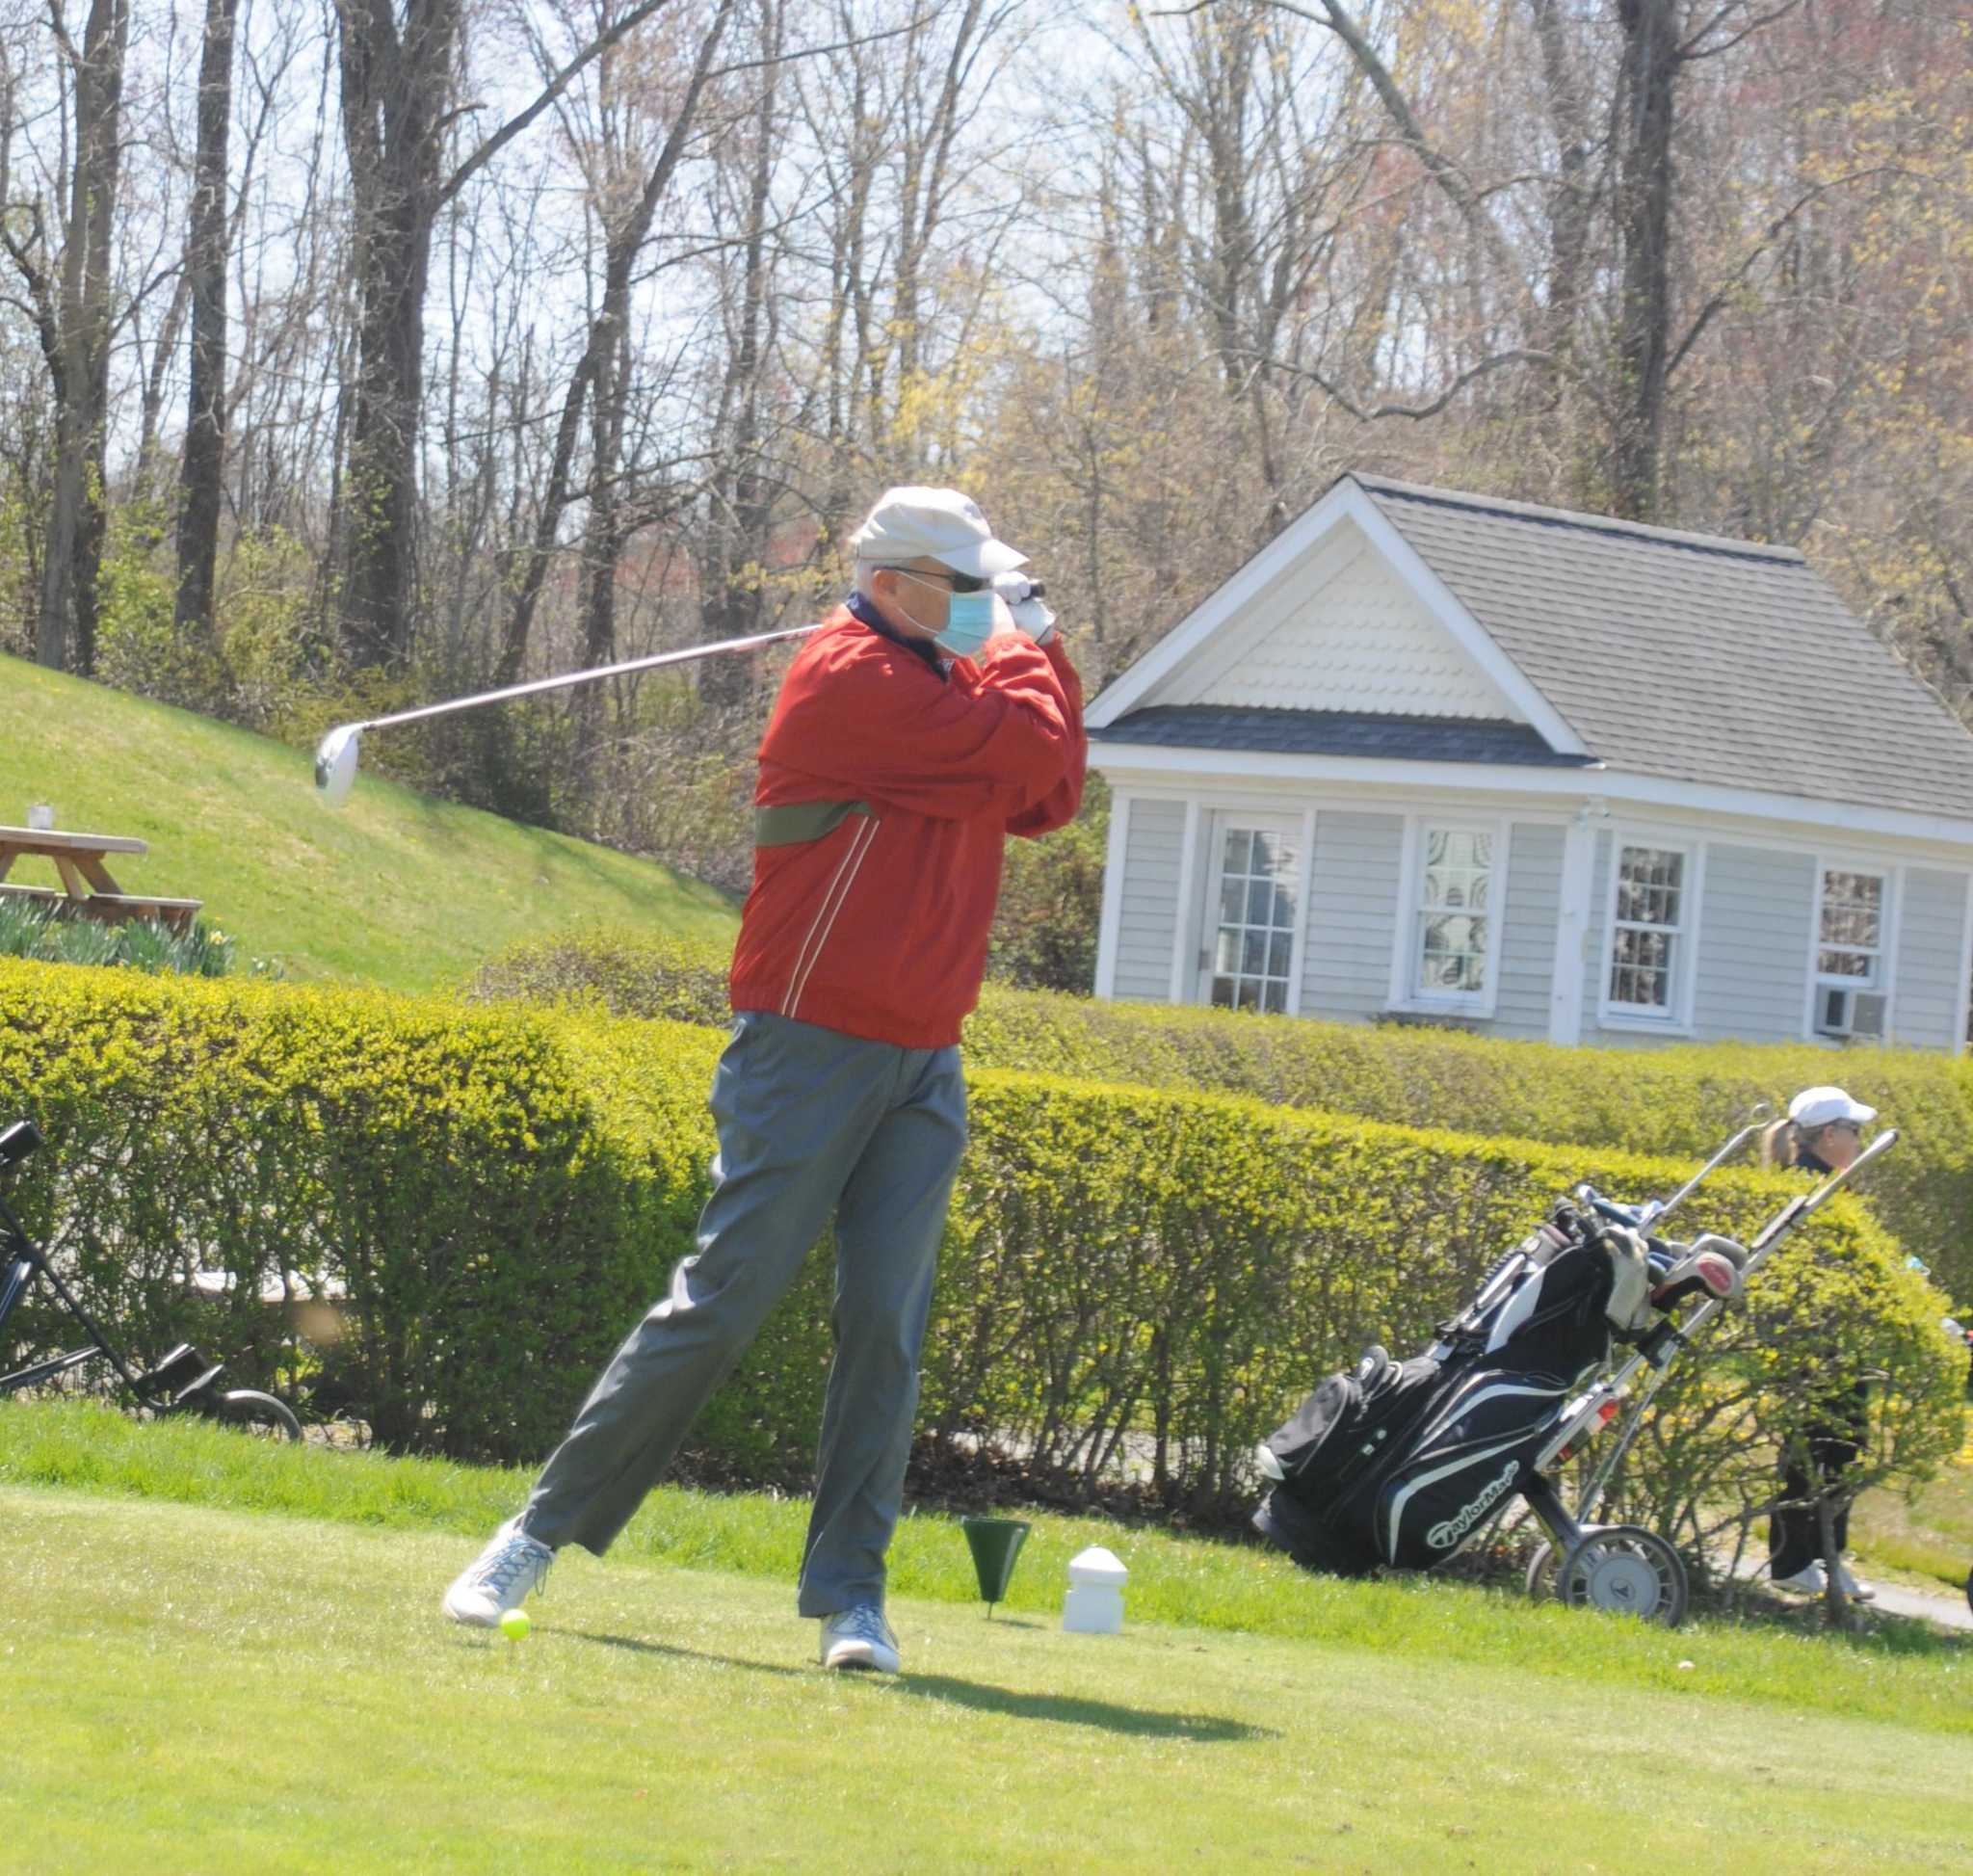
335	764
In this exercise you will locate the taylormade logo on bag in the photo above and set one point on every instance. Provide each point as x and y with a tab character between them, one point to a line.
1442	1537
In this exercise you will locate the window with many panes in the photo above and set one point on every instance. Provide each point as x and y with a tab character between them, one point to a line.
1451	914
1254	947
1849	936
1850	951
1649	930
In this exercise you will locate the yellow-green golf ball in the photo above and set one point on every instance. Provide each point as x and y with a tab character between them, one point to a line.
515	1624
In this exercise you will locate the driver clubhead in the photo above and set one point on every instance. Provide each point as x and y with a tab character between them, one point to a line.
335	764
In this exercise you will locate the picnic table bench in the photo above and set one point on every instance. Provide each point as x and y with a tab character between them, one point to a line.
87	890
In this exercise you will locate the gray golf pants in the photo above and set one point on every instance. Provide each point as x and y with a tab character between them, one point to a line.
811	1123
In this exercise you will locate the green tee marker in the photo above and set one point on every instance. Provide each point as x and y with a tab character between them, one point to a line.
996	1543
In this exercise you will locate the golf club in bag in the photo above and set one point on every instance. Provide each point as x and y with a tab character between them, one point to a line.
1403	1464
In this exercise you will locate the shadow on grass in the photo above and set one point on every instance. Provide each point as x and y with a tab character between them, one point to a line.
1198	1729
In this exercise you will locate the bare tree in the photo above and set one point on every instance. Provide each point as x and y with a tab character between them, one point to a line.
398	88
600	380
202	475
739	494
70	293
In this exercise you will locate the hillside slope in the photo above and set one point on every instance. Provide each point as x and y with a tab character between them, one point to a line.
394	889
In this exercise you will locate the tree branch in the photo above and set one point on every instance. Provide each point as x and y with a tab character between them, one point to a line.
553	89
1517	357
1774	228
1695	48
596	47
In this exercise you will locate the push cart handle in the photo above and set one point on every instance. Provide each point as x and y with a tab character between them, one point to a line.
1811	1203
17	1141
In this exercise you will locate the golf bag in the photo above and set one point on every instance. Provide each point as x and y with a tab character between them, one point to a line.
1400	1462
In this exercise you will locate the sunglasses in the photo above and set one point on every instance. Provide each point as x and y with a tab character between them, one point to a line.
959	582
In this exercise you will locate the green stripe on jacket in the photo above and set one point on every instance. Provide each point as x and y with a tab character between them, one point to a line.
803	821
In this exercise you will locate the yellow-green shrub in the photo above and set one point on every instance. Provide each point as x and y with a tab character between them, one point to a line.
444	1171
1185	1268
502	1192
1677	1102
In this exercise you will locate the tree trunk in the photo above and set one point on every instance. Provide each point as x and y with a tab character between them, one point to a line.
731	596
1573	197
1645	86
66	633
205	265
395	94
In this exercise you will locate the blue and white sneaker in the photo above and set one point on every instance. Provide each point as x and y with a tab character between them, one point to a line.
859	1638
500	1578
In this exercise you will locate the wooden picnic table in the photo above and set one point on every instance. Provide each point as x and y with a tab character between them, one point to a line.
87	890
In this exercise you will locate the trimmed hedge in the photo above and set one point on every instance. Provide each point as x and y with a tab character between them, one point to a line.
443	1173
1676	1101
1126	1274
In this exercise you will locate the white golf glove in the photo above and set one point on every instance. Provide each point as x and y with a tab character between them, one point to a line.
1018	593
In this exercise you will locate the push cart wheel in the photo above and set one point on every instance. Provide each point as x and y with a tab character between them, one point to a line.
1540	1577
259	1414
1628	1571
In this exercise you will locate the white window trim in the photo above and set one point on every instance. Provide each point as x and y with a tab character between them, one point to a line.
1678	1019
1204	855
1892	875
1305	882
1404	996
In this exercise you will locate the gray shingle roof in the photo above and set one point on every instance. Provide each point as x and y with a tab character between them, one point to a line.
1688	656
1336	732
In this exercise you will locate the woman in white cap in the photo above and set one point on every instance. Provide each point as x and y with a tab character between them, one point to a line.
1822	1133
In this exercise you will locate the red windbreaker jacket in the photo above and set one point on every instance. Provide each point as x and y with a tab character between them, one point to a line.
885	794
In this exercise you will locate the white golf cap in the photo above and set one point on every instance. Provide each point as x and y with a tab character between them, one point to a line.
940	525
1817	1107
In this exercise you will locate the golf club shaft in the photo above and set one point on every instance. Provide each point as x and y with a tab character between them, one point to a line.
540	684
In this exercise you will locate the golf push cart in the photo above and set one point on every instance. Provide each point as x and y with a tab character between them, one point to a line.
184	1381
1405	1465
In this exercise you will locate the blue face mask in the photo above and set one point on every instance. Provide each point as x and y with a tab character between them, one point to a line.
968	623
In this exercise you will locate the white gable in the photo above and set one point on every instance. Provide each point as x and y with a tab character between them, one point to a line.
1340	630
1337	613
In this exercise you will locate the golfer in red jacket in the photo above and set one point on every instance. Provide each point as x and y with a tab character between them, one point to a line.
924	722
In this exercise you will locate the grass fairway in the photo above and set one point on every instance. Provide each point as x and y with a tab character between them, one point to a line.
1929	1535
394	889
195	1685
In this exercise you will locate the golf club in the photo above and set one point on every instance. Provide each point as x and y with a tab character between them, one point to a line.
335	755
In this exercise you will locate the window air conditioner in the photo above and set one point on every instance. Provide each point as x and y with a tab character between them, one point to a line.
1857	1015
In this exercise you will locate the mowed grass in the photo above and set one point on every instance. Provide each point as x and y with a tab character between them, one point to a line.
1929	1534
394	889
191	1689
1902	1673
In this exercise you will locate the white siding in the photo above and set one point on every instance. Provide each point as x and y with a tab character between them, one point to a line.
1353	913
1527	941
1925	976
1150	899
1753	945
